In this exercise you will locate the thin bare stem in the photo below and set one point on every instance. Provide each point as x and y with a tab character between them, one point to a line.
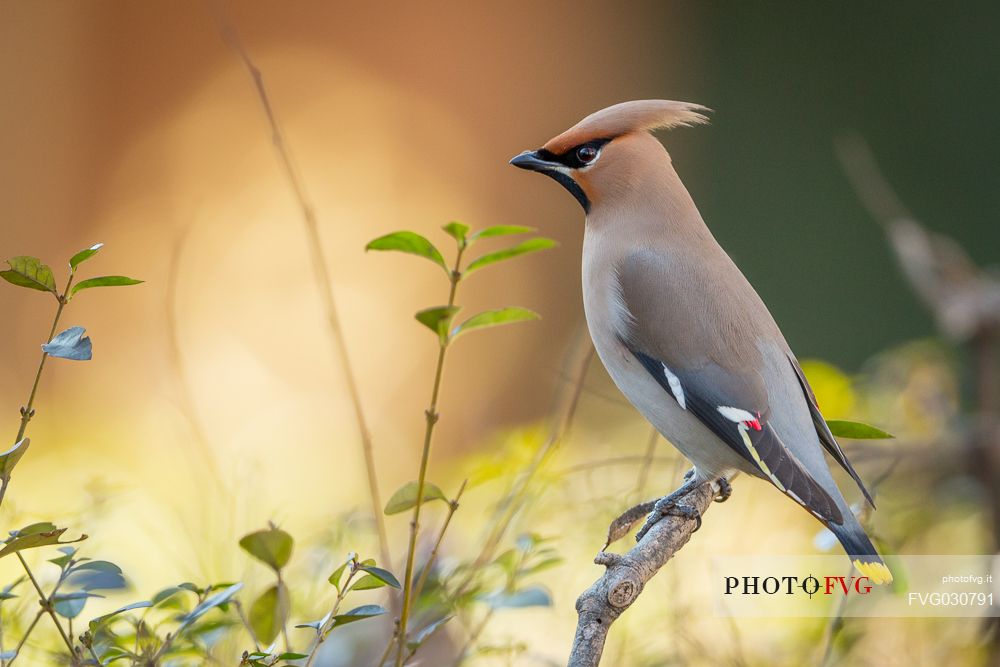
429	565
320	268
388	647
431	416
246	624
93	653
27	633
188	404
474	636
47	605
832	628
282	588
640	485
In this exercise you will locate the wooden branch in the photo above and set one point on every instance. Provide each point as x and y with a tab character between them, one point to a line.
626	575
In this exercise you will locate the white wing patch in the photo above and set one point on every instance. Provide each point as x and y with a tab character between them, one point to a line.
744	422
675	386
736	414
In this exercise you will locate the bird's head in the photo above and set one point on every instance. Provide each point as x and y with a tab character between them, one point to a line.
606	150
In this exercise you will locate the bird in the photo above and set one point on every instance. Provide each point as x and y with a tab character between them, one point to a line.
682	332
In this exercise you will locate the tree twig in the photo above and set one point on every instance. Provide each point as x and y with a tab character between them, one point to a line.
626	575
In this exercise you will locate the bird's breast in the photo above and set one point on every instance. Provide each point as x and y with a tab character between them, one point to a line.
608	319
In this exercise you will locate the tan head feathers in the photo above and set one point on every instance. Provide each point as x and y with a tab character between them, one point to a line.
628	117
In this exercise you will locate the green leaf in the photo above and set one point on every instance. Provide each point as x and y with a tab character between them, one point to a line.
420	636
367	583
856	430
335	577
523	248
211	602
62	561
406	497
168	597
31	273
104	281
7	592
384	575
457	231
292	656
358	614
533	596
315	625
542	565
10	458
36	535
492	318
409	242
507	561
271	546
69	605
95	575
85	254
269	612
70	344
101	620
501	230
438	319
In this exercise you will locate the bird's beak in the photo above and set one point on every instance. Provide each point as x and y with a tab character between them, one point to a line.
532	161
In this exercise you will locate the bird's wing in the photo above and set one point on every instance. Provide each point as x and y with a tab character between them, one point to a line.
823	431
702	350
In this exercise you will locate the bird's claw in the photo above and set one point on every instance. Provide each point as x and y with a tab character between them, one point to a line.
620	526
725	490
668	506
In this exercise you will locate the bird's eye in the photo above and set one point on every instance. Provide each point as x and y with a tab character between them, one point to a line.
586	154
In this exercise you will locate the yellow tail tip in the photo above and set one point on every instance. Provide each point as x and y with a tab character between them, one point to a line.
877	573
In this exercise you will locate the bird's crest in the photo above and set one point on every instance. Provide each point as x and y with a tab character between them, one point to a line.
626	118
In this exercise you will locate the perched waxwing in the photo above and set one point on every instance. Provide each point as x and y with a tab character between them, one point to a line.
681	331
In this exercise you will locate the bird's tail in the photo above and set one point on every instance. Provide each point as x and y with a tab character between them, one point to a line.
861	550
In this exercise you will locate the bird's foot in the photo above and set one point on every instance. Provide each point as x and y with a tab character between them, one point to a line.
725	490
672	509
689	474
668	506
620	526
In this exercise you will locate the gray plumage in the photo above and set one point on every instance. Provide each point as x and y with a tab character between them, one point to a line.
680	330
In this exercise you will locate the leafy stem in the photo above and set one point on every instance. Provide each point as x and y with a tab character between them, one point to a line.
324	629
431	418
27	412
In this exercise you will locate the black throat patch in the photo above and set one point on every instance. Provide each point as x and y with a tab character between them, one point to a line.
570	160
